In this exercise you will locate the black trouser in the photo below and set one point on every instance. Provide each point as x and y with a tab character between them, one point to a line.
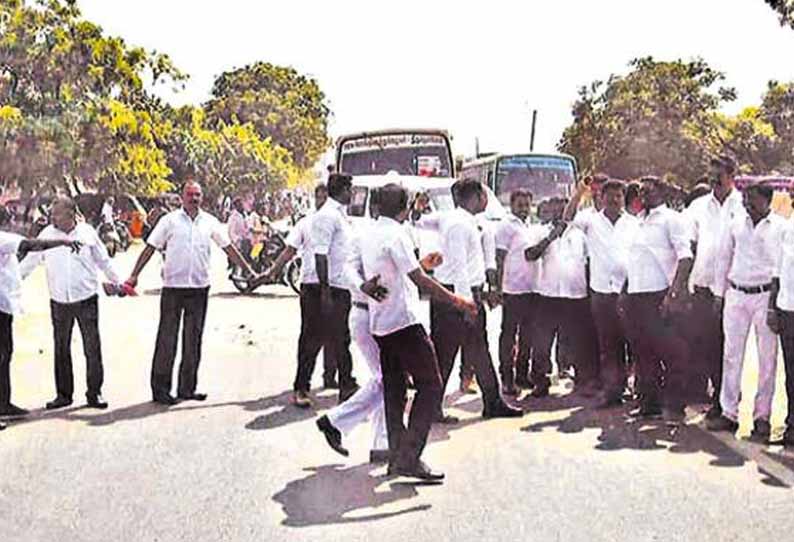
6	349
64	315
320	329
450	331
188	307
787	341
516	337
409	351
707	340
611	342
553	315
662	352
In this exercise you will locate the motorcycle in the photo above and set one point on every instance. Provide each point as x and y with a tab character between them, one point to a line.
115	236
262	256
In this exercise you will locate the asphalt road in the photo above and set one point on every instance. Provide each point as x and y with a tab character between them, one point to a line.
246	465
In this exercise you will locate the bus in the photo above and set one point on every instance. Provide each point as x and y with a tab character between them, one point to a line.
545	175
410	152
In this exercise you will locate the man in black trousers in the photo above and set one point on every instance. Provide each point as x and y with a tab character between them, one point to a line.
463	272
325	299
72	278
394	272
185	236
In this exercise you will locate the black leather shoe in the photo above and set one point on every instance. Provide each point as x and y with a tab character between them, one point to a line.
165	399
714	412
446	419
647	410
12	411
347	393
332	435
330	384
722	424
501	410
761	431
539	392
418	470
97	401
59	402
379	456
194	397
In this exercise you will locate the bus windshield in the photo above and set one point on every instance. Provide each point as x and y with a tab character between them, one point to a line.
426	155
544	176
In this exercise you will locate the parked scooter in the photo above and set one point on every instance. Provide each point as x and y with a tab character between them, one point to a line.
261	258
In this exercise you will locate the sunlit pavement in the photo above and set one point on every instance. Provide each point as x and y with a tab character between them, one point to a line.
246	465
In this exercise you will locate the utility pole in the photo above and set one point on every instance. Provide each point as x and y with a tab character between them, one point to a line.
476	147
532	136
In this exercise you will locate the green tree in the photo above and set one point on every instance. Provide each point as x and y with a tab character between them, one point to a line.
281	105
785	9
658	119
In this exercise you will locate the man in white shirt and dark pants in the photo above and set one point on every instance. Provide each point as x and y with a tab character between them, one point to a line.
13	246
747	261
185	235
562	305
708	216
658	264
463	272
781	316
325	299
388	254
607	231
73	282
518	279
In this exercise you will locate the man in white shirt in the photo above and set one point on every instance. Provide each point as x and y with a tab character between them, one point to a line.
607	232
708	215
13	246
747	260
463	272
73	282
185	235
658	263
107	214
563	307
518	280
239	232
388	254
780	317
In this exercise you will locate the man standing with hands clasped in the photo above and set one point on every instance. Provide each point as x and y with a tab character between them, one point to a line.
185	236
388	254
73	282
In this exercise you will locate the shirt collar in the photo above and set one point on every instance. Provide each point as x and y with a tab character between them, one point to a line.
656	210
198	215
333	204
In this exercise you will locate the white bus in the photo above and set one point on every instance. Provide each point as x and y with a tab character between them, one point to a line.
411	152
545	175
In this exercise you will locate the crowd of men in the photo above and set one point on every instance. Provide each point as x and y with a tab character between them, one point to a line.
643	301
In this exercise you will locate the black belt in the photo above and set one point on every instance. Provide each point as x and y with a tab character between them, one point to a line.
752	289
360	305
702	290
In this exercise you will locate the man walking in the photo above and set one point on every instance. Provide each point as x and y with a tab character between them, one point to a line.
747	261
463	272
185	236
73	283
388	255
11	248
709	215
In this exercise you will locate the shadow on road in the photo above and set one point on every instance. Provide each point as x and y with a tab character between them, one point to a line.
330	492
286	412
260	295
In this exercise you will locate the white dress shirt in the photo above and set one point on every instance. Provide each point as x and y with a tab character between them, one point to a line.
606	248
107	213
707	218
463	267
186	242
387	251
72	276
354	268
238	227
785	271
660	241
10	279
562	266
297	238
515	236
749	255
329	235
488	234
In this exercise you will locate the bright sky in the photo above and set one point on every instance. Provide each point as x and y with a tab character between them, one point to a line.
476	69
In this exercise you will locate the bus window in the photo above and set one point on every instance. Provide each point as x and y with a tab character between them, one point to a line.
423	154
544	176
358	201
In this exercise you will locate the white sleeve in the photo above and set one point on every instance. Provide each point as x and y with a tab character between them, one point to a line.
102	260
9	243
457	259
504	235
322	233
403	254
160	234
489	246
296	237
219	234
431	222
723	261
680	236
